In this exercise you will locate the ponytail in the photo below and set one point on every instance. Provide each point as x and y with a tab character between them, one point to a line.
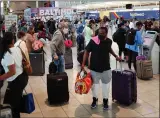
4	44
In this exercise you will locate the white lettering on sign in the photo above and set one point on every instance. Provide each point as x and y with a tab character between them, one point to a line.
47	13
136	14
41	12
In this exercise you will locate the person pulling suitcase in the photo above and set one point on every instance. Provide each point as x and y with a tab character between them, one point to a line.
100	48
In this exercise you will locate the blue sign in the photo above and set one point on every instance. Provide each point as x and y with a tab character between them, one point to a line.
140	15
92	15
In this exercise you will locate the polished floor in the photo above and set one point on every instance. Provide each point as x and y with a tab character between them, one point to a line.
79	105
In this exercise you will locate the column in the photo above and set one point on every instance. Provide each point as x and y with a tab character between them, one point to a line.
1	9
37	4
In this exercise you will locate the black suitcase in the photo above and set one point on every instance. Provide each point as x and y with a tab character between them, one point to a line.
68	58
80	58
57	88
37	63
124	86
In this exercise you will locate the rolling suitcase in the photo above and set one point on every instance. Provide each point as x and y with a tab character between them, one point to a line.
5	111
144	66
37	63
68	58
57	88
124	86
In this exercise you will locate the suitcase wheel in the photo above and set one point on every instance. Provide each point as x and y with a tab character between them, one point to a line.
113	99
135	101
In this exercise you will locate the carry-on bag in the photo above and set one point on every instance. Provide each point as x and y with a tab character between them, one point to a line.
37	63
5	111
80	43
68	58
124	86
57	88
27	104
80	58
83	84
144	66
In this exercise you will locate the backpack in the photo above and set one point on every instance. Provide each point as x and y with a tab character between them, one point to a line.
130	37
52	68
115	36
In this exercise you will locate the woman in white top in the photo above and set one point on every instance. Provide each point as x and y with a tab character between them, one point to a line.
14	74
22	44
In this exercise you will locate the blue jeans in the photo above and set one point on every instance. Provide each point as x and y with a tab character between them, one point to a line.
60	64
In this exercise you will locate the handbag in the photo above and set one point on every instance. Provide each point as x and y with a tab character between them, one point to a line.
83	84
26	66
68	43
27	103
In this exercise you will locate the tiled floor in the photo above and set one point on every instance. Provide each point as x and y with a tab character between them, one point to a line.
79	105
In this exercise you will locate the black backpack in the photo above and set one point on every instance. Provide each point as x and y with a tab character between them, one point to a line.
52	68
130	37
115	36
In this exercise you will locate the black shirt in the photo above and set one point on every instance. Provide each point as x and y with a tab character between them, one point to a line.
100	59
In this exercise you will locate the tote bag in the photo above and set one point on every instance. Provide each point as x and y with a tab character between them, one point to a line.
27	104
83	84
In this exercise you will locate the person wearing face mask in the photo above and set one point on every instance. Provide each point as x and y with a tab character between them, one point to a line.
58	48
100	48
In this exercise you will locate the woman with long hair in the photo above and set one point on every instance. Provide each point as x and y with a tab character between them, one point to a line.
30	38
14	74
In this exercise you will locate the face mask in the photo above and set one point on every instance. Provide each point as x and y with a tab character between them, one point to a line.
101	37
65	30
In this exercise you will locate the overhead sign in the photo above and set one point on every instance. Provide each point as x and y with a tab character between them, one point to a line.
92	15
46	13
135	14
9	20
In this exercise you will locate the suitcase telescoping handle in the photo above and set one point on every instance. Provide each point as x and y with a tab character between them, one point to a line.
140	50
120	65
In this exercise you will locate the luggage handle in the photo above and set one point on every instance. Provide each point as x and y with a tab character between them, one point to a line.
120	66
85	72
140	50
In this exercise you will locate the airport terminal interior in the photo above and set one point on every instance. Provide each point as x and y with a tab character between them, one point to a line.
86	18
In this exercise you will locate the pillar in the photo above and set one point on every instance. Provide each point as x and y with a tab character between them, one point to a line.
37	4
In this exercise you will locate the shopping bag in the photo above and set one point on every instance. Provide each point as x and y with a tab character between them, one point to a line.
83	84
27	104
68	43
